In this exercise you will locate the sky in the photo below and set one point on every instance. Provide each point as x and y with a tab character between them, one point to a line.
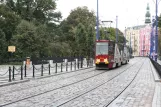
130	12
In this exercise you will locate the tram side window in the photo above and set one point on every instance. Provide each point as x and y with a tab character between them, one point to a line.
111	49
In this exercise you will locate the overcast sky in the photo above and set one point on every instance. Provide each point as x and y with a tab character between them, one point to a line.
129	12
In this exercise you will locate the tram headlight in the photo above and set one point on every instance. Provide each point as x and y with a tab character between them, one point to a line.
97	61
106	61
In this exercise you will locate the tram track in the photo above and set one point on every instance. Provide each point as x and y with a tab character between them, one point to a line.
66	86
106	105
52	89
61	103
135	91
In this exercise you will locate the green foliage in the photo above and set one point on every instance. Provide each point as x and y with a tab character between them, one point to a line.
159	36
81	15
110	33
81	40
78	15
78	28
159	42
35	29
3	47
25	39
8	21
90	41
39	10
159	19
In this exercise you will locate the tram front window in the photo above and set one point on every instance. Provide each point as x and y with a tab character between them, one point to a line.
102	48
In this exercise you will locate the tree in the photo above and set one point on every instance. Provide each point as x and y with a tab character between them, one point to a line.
3	46
40	10
26	40
78	21
110	33
32	26
8	21
102	33
90	41
159	36
78	15
81	39
159	19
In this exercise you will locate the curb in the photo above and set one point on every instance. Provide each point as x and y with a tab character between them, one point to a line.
12	83
155	73
59	73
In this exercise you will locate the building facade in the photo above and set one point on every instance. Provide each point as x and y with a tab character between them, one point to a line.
133	39
145	34
138	37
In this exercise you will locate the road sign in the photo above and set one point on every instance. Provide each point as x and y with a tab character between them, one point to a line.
11	48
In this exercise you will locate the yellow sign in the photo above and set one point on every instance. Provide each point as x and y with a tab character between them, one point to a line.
11	48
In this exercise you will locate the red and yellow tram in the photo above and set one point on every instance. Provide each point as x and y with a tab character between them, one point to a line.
109	54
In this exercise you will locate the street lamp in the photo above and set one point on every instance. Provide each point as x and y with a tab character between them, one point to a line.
130	46
116	29
97	35
125	38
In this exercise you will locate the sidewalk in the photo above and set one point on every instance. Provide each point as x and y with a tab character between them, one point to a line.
66	68
159	62
143	92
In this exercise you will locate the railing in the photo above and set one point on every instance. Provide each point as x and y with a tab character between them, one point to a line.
24	71
157	66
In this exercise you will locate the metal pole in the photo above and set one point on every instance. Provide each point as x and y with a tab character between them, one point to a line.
49	68
61	67
97	35
33	71
130	46
116	29
56	68
151	40
156	36
21	73
9	74
25	70
66	66
13	73
42	68
143	44
125	37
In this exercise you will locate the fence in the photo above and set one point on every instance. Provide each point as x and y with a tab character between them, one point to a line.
157	66
34	70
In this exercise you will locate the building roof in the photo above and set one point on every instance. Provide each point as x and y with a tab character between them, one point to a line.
136	27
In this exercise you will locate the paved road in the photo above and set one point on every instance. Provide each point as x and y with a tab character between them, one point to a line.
131	85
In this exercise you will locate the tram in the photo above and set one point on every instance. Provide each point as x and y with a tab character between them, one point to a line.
109	54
